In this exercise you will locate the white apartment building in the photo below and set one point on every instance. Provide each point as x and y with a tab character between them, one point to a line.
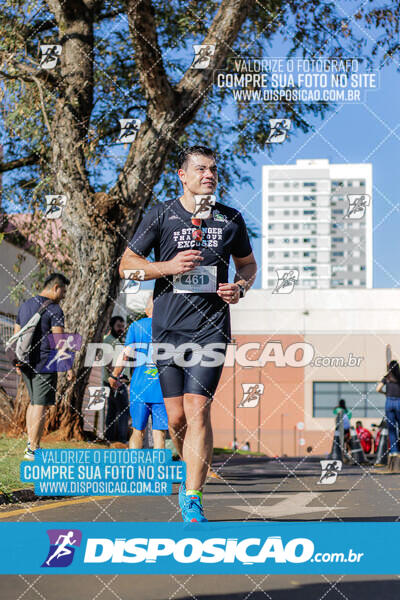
306	224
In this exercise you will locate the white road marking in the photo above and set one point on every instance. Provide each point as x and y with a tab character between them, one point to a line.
293	504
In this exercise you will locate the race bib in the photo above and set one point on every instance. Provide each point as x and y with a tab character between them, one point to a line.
200	280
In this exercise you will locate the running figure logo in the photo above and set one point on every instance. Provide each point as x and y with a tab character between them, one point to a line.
63	543
330	471
287	278
55	205
357	205
278	130
132	279
203	206
252	393
129	129
62	351
97	397
50	54
203	54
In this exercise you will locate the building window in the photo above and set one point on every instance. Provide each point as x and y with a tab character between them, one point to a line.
361	398
286	213
286	240
271	213
270	226
309	184
271	254
286	184
338	253
295	212
337	211
286	254
337	239
295	226
286	226
271	184
308	212
271	241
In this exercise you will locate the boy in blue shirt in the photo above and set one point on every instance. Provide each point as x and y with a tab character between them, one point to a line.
145	394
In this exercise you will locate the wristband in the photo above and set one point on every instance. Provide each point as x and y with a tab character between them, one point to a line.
113	377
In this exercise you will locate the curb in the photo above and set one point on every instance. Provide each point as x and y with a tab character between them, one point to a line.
24	495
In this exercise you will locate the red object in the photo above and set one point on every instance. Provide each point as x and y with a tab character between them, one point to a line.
365	437
197	235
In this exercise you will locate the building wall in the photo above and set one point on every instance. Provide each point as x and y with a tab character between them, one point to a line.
334	324
305	225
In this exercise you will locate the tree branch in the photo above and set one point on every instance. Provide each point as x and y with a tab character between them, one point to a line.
222	33
148	57
24	72
27	161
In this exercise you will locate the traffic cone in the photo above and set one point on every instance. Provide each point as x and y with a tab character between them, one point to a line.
336	452
356	451
382	453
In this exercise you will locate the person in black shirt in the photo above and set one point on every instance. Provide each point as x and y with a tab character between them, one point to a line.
391	383
191	306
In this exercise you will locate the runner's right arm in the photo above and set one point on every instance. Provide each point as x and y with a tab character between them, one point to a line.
181	263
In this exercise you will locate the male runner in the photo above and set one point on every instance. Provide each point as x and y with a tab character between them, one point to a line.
200	315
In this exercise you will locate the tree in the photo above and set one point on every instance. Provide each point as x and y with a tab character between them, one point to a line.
132	59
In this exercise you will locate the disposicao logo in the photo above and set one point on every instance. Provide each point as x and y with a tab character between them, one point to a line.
63	543
191	550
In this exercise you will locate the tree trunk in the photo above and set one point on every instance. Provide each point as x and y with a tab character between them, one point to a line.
88	307
17	424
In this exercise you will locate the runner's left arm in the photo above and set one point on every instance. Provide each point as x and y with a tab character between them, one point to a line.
246	271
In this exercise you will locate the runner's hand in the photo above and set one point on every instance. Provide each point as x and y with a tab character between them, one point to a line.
229	292
18	370
184	261
114	384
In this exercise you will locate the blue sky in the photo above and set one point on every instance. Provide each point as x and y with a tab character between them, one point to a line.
353	133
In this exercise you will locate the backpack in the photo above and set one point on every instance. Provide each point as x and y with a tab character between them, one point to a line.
19	345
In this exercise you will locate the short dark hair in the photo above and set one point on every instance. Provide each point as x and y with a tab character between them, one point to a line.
55	278
113	320
189	150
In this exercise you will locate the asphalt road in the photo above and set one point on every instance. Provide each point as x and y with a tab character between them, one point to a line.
252	489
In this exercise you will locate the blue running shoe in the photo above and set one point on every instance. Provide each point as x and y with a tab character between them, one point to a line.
192	512
182	495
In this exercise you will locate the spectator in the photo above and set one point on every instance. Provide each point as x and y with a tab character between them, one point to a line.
41	384
391	383
117	417
365	437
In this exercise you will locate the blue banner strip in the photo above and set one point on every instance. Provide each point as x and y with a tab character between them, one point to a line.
207	548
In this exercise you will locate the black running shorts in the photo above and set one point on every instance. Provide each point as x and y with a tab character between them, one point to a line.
196	376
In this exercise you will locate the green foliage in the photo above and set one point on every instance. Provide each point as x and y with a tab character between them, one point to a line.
237	131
